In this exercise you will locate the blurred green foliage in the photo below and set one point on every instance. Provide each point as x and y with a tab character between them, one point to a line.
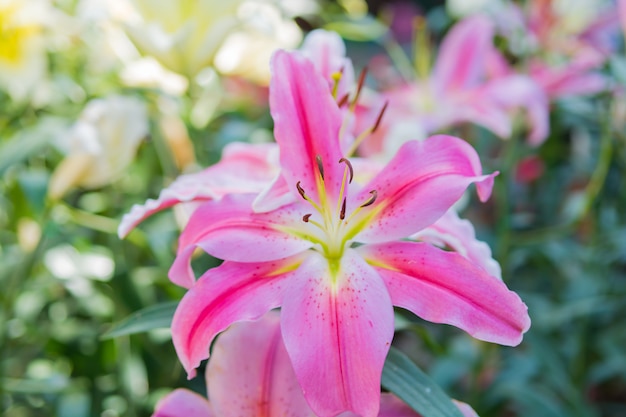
65	276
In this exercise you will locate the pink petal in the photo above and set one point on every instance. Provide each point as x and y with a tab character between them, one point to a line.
465	409
223	295
306	125
444	287
517	91
573	79
418	186
461	63
337	325
328	53
183	403
250	374
458	234
392	406
228	229
476	107
244	168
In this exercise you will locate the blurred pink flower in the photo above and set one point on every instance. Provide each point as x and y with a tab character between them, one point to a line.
566	43
458	90
250	375
332	253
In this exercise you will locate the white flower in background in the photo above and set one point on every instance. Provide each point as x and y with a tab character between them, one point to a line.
183	35
247	52
101	144
236	36
22	48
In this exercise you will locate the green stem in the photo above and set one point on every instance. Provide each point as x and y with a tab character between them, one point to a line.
163	151
399	57
590	194
503	201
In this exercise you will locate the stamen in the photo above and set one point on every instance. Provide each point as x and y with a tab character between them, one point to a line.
342	213
320	166
306	217
359	87
343	100
361	137
371	200
301	191
380	117
349	165
336	77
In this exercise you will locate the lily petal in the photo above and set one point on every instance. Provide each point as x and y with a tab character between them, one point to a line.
337	325
444	287
515	91
229	293
463	54
244	168
229	230
452	231
419	185
250	373
306	125
183	403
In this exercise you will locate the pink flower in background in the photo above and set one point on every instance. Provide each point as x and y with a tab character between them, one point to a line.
331	252
564	43
458	90
250	375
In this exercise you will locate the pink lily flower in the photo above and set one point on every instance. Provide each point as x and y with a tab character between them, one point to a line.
334	258
567	46
458	90
250	375
247	168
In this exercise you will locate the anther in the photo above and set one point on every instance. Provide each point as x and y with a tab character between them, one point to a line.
306	217
320	166
371	200
342	213
359	86
349	165
343	100
380	117
301	190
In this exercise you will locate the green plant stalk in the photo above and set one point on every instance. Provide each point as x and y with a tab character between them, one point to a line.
399	57
10	291
163	151
590	194
503	202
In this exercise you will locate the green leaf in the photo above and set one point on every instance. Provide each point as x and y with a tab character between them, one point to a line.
363	29
153	317
414	387
28	142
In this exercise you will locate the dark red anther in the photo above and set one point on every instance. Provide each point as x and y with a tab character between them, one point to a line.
359	85
306	217
343	100
300	190
349	165
342	213
320	166
380	117
371	200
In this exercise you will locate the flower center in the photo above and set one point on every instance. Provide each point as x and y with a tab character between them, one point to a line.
330	216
